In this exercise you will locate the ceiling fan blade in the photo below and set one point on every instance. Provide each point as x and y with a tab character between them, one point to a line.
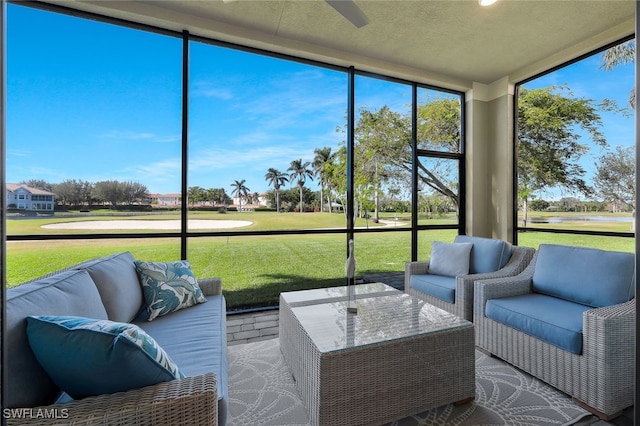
350	11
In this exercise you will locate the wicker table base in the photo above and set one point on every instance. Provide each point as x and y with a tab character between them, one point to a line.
396	357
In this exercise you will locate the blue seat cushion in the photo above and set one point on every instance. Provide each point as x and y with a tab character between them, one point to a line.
196	339
550	319
591	277
487	254
444	288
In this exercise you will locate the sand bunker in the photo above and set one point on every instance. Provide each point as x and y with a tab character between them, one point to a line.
148	224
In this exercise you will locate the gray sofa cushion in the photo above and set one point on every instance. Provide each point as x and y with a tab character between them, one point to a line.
196	339
444	288
67	293
116	279
487	255
553	320
587	276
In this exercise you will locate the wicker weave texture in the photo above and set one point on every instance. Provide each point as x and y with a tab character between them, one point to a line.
210	286
382	382
463	306
602	376
188	401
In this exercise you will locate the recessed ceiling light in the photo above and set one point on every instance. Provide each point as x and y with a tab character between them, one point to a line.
486	2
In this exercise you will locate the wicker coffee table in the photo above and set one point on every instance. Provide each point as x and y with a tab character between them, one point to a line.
396	357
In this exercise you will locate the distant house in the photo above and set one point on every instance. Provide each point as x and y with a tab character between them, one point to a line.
164	200
252	203
23	197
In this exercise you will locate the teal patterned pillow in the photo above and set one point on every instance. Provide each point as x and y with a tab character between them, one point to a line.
86	356
168	286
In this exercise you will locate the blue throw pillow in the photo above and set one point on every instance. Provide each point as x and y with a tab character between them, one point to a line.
86	357
450	259
168	286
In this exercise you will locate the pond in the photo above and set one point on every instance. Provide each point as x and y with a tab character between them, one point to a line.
563	219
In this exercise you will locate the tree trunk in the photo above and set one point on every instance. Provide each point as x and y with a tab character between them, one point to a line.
376	201
300	188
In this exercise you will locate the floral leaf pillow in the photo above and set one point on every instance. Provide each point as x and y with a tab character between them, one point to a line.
168	286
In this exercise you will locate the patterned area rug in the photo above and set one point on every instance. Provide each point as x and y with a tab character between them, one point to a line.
262	392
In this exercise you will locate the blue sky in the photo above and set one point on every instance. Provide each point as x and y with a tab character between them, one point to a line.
93	101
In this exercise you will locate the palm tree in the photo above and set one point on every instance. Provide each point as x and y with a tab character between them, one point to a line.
276	178
320	161
619	54
301	172
240	191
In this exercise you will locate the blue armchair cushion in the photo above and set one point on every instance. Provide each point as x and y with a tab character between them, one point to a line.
487	254
450	259
555	321
591	277
86	356
444	288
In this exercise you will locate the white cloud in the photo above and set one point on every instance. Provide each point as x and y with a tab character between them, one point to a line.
127	135
211	90
18	153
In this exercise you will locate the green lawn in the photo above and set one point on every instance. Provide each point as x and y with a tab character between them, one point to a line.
255	269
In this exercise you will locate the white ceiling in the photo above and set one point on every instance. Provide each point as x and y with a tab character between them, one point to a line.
451	43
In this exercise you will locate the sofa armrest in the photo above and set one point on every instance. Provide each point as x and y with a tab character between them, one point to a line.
500	287
611	330
210	286
414	268
188	401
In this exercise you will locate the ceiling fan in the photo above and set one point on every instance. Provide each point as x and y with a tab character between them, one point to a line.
346	8
350	11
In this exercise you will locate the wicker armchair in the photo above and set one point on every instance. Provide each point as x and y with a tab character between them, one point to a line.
463	305
188	401
600	378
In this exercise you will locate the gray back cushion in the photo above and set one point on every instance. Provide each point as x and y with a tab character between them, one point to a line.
117	282
487	254
70	292
583	275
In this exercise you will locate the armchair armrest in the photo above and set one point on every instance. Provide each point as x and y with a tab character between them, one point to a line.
188	401
520	259
210	286
414	268
464	305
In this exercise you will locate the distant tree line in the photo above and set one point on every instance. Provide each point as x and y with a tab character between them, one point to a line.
573	204
72	192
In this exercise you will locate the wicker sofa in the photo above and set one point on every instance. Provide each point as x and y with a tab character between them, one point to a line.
109	289
568	319
489	258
